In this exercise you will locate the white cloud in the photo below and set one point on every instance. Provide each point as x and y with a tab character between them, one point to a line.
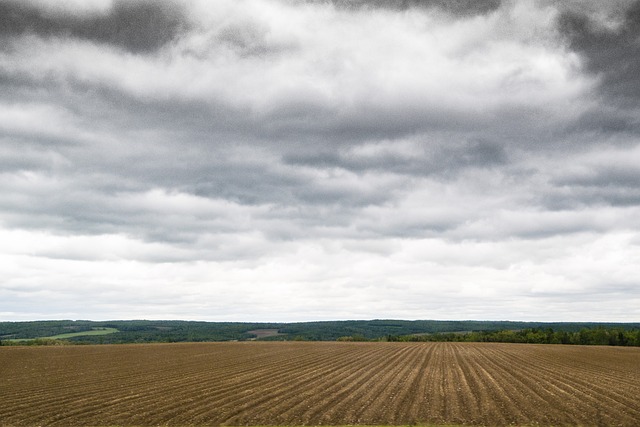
269	58
277	160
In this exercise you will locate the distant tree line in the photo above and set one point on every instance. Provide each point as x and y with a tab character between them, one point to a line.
35	342
147	331
585	336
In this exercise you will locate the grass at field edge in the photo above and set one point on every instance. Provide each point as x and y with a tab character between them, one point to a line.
94	332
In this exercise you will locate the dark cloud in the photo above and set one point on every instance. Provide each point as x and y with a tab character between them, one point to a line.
620	176
138	26
605	185
613	54
606	121
455	7
428	158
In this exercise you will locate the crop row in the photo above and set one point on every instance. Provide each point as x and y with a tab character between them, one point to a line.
319	383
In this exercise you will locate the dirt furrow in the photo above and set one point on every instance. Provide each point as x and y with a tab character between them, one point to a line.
320	383
329	380
509	401
586	398
222	389
269	388
595	383
383	398
564	399
217	384
339	390
486	394
97	395
409	401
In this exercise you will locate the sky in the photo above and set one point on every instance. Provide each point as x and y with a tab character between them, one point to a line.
299	160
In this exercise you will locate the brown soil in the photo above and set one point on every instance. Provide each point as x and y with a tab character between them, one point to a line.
260	383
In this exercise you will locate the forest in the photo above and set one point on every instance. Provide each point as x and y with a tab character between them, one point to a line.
149	331
586	336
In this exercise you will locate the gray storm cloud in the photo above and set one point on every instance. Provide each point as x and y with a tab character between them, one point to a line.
138	26
315	149
611	52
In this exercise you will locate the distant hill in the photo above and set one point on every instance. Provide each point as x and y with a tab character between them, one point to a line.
145	331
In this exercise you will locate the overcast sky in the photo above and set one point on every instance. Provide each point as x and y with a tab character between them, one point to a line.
294	160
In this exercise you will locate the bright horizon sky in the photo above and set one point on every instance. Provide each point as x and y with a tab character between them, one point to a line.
301	160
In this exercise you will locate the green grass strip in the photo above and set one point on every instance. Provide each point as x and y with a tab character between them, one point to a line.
95	331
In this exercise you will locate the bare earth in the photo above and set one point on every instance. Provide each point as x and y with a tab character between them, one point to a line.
292	383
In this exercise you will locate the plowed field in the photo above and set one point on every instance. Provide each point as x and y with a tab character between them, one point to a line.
319	383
